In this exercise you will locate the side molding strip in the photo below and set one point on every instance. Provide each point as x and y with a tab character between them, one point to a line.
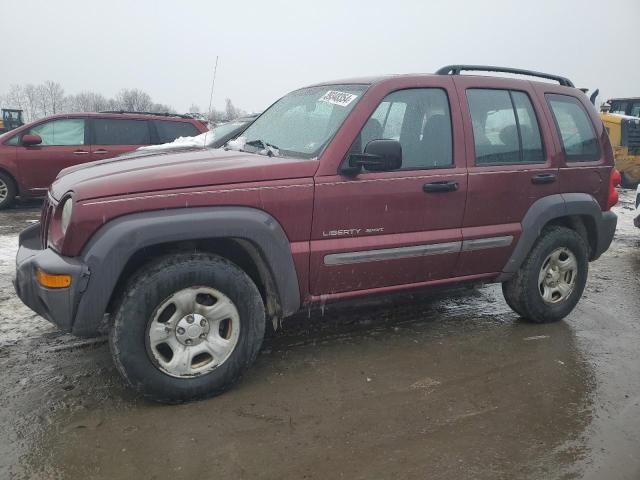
482	243
416	250
391	253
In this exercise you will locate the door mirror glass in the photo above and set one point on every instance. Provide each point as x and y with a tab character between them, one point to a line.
379	156
30	140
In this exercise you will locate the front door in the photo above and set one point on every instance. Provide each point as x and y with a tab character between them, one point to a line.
380	229
64	144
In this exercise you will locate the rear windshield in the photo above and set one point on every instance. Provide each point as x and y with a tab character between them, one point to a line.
301	123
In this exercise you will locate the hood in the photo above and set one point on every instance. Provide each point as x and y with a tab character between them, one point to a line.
175	170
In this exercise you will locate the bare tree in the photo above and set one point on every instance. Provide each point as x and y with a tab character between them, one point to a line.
55	96
230	111
48	98
42	101
88	102
133	100
15	97
194	108
31	100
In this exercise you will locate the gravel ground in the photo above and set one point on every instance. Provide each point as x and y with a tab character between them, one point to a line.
432	386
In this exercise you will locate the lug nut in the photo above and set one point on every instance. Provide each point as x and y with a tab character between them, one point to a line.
203	322
202	335
180	331
188	341
190	319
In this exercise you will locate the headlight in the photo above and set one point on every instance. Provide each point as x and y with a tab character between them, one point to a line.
65	217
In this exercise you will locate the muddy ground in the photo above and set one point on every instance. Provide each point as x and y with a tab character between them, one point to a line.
425	386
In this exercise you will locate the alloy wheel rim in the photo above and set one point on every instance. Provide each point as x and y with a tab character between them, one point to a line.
557	278
193	332
4	190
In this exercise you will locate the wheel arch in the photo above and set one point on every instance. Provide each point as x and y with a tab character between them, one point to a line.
251	238
578	211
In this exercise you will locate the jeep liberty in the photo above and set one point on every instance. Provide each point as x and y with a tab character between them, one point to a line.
339	190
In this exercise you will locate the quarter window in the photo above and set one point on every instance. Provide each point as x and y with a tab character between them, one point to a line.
575	129
420	120
116	131
505	127
68	131
168	131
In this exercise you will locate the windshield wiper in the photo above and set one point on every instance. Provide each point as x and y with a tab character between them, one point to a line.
261	144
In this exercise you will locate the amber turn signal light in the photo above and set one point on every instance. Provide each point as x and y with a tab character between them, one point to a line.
53	281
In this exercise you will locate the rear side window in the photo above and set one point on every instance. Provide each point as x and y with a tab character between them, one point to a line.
64	132
420	120
120	131
575	128
505	127
168	131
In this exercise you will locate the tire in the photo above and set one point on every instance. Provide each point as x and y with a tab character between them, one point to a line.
157	296
549	296
8	191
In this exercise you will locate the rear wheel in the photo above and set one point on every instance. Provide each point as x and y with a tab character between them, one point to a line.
551	280
187	327
8	191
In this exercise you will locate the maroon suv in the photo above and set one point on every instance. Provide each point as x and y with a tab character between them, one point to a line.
32	156
339	190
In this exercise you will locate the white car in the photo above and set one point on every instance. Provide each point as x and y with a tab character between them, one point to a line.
636	221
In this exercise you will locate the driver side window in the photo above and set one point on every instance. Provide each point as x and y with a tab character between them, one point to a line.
420	120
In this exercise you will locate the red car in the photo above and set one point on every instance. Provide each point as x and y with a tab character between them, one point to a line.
32	156
339	190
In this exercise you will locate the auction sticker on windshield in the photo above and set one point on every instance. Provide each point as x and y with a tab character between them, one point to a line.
338	98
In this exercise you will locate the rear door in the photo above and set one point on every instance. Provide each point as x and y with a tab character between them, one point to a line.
380	229
511	165
580	137
64	144
114	136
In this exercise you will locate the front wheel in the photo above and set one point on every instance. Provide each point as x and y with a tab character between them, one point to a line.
552	278
7	191
187	327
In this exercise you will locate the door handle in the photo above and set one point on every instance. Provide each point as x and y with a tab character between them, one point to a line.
81	152
543	178
101	151
440	187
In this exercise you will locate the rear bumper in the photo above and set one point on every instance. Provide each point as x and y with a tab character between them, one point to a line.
58	305
606	229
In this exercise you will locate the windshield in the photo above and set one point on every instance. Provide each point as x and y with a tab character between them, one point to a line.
301	123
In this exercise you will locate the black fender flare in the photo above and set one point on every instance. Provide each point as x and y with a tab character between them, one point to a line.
113	245
548	208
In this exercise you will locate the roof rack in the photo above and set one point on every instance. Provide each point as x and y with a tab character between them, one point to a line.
456	69
160	114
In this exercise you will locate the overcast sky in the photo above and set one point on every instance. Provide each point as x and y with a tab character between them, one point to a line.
267	48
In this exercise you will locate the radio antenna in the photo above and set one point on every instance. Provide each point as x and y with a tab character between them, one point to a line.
213	83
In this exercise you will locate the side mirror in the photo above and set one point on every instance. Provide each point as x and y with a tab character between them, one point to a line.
30	140
378	156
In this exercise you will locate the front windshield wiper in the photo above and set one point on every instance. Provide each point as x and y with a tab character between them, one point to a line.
261	144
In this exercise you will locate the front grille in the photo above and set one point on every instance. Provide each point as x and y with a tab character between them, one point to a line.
45	219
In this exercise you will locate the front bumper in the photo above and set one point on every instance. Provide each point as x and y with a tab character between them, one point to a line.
58	305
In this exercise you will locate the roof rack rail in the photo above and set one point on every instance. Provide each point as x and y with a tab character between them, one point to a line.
160	114
456	69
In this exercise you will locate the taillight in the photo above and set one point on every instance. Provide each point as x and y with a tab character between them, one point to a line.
614	181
